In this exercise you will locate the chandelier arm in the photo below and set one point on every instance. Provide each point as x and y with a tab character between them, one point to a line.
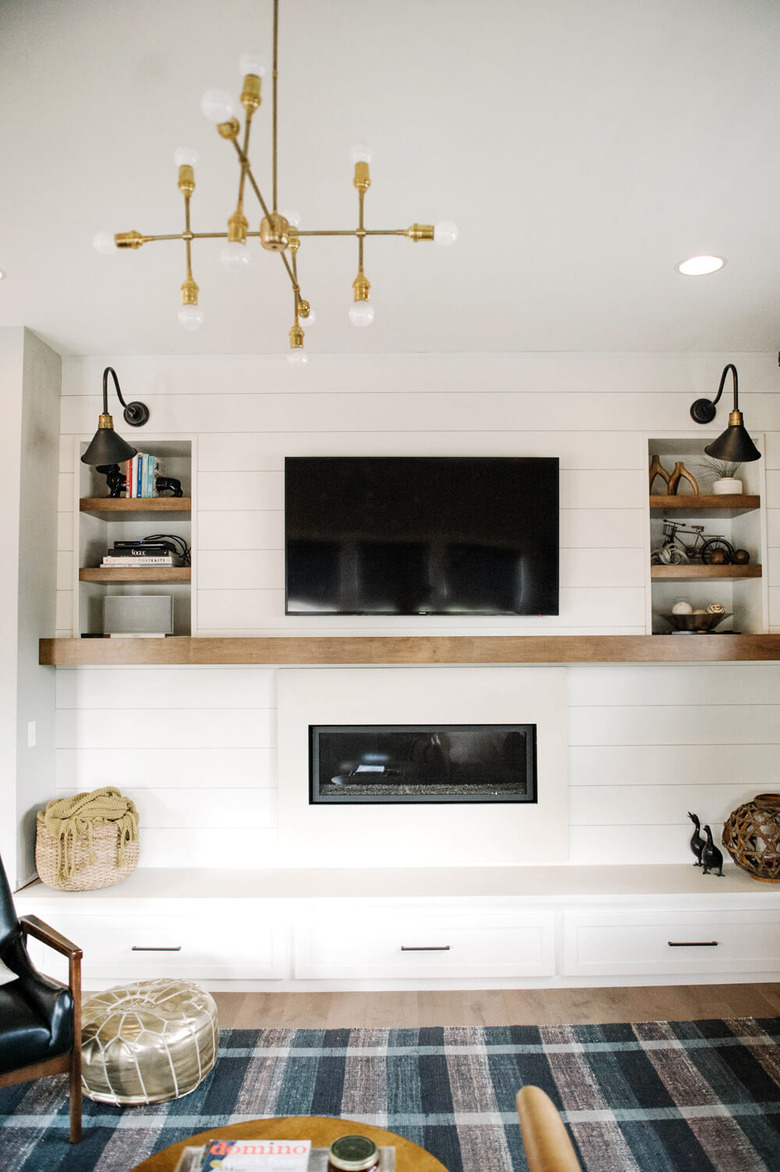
247	166
350	232
275	80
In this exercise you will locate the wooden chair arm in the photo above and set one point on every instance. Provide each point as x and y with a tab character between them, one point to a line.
548	1147
33	926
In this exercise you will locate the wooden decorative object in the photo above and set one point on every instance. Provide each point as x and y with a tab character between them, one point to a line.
751	835
680	472
657	469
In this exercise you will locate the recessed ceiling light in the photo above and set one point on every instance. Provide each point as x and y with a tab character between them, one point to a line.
700	266
3	274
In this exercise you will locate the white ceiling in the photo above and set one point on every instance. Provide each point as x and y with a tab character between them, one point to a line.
583	147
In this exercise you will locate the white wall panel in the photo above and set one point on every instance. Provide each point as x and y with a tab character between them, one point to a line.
175	768
639	843
603	568
65	534
245	569
65	570
248	490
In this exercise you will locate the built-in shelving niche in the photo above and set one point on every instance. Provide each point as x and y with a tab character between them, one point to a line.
101	520
740	519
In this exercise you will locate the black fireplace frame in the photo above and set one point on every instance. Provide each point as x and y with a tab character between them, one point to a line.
343	796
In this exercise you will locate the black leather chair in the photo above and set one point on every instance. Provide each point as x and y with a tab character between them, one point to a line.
40	1019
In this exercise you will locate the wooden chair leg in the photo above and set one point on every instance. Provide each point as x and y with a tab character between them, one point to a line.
75	1096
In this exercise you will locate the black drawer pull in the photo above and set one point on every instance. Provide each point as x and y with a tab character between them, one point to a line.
692	943
156	948
425	948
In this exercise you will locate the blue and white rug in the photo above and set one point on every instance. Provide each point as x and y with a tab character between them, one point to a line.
652	1097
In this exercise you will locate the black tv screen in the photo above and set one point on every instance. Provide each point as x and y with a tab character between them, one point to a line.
410	535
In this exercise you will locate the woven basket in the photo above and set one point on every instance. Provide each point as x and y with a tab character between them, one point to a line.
104	872
751	835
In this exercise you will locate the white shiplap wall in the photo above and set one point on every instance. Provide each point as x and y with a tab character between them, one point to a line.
196	747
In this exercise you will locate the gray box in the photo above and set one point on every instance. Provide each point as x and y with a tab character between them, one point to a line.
138	614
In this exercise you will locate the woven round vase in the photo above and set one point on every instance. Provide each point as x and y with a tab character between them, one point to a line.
751	835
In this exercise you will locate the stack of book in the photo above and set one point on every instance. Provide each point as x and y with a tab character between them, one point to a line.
141	472
146	554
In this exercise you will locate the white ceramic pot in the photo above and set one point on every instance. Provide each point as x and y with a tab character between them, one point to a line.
727	484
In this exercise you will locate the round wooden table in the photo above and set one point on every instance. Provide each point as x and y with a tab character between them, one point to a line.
321	1131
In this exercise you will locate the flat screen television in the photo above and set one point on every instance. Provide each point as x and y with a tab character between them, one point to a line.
411	535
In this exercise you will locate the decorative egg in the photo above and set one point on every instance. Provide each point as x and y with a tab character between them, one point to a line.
741	557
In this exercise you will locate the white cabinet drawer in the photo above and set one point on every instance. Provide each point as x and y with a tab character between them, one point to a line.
634	943
397	944
134	946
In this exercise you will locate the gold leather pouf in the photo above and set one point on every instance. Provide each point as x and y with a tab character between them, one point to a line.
147	1042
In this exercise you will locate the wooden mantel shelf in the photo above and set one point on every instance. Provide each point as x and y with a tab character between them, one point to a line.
456	649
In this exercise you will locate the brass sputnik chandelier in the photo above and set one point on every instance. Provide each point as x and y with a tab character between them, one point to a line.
277	232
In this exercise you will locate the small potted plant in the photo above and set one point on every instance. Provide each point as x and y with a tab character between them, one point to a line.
725	478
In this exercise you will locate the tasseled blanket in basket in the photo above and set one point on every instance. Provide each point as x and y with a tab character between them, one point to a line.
67	819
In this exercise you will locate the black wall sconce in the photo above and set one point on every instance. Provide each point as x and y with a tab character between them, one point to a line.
734	445
107	447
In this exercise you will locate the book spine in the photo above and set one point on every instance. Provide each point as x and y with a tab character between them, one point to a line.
129	476
139	467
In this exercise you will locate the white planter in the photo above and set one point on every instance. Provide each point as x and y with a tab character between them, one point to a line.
727	484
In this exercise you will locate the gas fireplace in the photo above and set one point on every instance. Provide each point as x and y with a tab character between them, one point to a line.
422	763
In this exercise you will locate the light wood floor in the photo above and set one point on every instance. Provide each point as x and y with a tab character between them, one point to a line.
496	1007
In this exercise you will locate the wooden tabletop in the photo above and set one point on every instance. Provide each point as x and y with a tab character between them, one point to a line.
321	1131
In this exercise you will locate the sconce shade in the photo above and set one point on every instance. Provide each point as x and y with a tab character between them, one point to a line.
734	445
107	447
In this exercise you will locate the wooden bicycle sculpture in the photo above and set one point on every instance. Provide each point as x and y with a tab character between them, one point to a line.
674	550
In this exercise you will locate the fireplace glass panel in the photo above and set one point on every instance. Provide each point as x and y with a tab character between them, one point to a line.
422	763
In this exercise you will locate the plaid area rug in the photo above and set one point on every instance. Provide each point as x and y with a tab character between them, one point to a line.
653	1097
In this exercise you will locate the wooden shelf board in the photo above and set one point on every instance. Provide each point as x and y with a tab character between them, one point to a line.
109	574
696	573
139	508
523	649
706	506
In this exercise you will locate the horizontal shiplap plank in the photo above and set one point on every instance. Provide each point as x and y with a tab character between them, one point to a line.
162	808
175	687
676	725
401	411
160	728
238	847
613	805
655	684
65	534
65	570
631	844
773	526
248	490
540	372
660	765
183	767
240	529
589	609
65	490
603	568
601	528
64	611
256	451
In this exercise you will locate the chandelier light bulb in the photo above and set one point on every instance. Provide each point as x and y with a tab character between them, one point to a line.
445	233
218	106
361	313
235	256
293	218
310	320
103	242
185	157
191	317
251	63
297	358
360	153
